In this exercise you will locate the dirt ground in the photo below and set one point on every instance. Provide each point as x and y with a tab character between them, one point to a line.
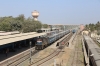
63	57
76	57
70	56
45	52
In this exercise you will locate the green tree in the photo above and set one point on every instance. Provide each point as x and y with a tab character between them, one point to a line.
19	23
45	25
5	26
16	25
94	27
20	18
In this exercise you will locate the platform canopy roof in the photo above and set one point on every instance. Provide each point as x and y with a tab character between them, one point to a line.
16	35
15	39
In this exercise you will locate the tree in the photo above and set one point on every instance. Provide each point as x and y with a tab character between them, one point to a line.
5	26
16	25
19	23
93	27
87	27
20	18
44	25
30	25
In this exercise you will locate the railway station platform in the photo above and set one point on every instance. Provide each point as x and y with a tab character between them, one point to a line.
11	45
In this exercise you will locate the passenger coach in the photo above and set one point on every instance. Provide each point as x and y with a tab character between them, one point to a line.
49	38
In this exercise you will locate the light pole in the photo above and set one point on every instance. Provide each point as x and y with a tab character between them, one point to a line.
30	52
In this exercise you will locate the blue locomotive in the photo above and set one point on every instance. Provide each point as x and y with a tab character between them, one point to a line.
49	38
73	31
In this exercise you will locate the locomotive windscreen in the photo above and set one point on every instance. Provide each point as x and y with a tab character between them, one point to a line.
39	41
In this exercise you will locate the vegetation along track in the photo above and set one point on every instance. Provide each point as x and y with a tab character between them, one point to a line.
77	58
53	54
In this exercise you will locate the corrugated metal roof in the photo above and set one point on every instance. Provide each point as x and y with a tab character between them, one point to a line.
10	40
16	35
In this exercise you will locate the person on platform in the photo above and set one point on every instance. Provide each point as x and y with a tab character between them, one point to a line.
67	44
57	44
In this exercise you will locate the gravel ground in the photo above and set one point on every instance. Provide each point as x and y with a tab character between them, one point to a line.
62	58
76	56
70	56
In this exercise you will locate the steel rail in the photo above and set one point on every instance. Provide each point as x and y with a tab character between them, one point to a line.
53	54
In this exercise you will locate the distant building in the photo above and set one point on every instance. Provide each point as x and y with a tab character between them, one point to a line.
81	27
85	32
94	35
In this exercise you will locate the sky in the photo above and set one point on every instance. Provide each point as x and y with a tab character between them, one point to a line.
73	12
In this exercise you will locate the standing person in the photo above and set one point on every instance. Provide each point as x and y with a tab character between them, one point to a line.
68	44
57	44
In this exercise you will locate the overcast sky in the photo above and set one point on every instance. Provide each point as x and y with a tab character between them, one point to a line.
54	11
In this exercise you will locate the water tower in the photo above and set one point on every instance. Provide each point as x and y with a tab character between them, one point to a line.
35	14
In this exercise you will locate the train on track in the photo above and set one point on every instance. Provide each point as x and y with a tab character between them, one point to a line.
39	40
93	51
49	38
73	31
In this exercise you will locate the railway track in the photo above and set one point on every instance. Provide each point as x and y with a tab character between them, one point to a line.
53	54
75	56
45	59
22	59
18	59
76	53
